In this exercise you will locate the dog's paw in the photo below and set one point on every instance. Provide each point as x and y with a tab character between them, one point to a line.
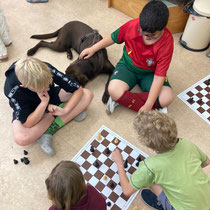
30	52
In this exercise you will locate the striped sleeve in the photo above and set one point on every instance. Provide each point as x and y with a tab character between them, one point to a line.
63	80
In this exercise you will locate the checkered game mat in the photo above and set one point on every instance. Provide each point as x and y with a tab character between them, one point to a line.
107	168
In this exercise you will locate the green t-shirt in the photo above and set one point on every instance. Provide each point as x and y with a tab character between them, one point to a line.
179	173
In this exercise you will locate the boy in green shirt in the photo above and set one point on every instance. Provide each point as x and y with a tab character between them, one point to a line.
174	175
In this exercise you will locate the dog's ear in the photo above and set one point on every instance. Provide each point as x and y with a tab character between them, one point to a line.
75	73
82	79
68	70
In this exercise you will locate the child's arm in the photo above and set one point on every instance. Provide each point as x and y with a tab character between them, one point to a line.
128	190
206	163
38	113
73	101
88	52
157	84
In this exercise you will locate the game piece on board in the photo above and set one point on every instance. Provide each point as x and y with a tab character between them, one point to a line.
95	175
105	177
107	151
135	208
15	161
112	185
137	164
126	164
96	164
22	159
191	100
92	148
198	91
25	152
108	203
139	159
208	82
99	136
200	101
116	140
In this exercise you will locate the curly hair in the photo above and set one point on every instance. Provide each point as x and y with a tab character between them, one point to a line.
65	185
33	73
156	130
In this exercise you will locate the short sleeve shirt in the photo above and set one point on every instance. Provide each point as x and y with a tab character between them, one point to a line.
180	175
155	57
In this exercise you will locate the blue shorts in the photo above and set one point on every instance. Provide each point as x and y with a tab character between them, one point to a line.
164	201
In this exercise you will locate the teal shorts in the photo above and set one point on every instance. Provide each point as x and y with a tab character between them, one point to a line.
144	78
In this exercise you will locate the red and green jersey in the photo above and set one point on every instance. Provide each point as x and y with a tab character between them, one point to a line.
154	57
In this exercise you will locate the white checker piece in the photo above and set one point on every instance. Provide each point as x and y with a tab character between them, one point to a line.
120	202
184	97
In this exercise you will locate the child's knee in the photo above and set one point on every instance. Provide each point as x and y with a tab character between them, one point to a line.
170	96
166	97
114	92
21	139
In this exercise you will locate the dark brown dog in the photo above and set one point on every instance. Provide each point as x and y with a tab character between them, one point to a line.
78	35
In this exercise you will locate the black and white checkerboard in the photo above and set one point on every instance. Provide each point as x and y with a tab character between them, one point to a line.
95	175
197	97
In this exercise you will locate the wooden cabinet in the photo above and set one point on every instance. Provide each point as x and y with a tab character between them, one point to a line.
177	18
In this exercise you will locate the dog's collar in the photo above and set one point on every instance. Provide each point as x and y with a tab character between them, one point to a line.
95	38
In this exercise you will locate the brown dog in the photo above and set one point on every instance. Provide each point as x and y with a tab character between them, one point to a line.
78	35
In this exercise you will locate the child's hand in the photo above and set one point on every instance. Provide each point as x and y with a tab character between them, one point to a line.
86	53
56	110
44	96
117	157
145	108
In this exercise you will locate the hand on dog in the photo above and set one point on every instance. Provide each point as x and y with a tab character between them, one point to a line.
86	53
56	110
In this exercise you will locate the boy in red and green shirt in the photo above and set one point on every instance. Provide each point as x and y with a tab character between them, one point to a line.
146	58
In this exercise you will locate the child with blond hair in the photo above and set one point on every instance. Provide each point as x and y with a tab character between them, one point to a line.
43	100
5	40
67	189
174	175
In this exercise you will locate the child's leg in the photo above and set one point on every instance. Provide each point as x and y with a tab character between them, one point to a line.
4	30
135	101
6	38
25	136
3	51
156	198
121	81
45	141
80	107
166	94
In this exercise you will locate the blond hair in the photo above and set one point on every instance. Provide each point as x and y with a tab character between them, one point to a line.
33	73
65	185
156	130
